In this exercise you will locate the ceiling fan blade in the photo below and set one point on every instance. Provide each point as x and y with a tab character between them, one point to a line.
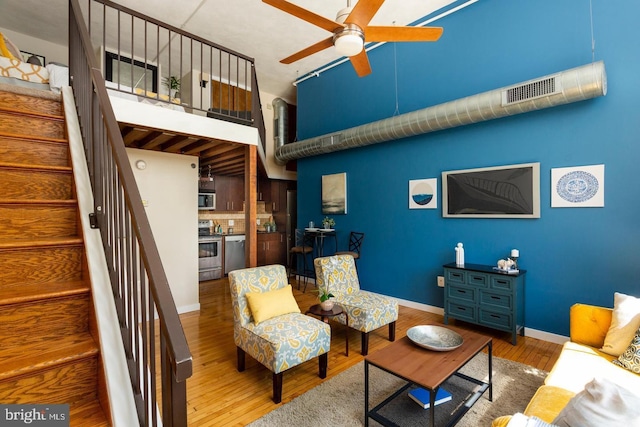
314	48
363	12
305	14
402	34
361	63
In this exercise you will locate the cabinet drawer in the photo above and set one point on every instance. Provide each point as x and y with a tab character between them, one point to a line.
497	300
462	293
461	311
495	320
503	283
477	279
455	276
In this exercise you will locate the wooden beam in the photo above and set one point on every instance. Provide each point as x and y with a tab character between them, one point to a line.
251	205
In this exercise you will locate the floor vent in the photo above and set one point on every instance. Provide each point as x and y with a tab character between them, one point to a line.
527	91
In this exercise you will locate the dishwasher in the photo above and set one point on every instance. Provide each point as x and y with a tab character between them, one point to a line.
233	253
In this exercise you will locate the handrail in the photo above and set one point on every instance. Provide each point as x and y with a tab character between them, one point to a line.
161	51
140	287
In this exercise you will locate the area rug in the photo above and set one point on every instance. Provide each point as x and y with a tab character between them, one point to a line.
340	400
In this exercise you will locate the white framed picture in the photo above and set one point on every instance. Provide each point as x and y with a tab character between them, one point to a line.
423	193
577	187
334	193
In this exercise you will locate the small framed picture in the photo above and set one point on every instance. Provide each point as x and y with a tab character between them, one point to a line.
33	58
334	193
577	187
423	193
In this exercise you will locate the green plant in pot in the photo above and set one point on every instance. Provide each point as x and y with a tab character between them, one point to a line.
173	84
325	298
328	222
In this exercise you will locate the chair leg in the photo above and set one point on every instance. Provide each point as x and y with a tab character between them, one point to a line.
240	356
392	331
304	271
323	360
277	387
364	348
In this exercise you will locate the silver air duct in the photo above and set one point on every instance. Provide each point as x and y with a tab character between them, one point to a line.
577	84
280	124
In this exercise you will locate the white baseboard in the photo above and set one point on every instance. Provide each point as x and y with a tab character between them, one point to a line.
188	308
529	332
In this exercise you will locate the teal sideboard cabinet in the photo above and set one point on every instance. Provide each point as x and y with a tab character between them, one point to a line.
479	294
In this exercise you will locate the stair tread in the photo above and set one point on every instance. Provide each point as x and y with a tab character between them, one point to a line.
36	202
39	243
28	292
32	137
88	413
21	166
31	113
35	357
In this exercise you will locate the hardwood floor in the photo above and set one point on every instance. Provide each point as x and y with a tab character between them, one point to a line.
219	395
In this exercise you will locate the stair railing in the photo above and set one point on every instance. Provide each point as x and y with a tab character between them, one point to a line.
148	318
146	58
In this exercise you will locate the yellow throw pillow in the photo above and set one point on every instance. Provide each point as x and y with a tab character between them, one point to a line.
266	305
624	324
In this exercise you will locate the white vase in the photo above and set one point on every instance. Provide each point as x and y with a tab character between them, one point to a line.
327	305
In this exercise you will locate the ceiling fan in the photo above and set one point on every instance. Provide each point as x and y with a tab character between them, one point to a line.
351	30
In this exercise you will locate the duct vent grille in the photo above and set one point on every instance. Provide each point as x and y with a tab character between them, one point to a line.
527	91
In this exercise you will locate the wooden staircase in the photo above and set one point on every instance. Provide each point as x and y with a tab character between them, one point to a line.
49	349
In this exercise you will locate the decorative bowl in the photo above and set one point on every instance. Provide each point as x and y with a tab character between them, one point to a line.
435	338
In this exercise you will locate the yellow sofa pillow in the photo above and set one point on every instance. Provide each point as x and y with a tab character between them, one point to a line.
267	305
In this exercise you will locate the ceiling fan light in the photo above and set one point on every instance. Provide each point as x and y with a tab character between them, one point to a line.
349	44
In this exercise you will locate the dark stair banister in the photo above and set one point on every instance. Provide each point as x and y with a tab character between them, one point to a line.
131	253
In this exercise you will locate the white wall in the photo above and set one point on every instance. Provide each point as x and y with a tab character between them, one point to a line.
169	187
52	52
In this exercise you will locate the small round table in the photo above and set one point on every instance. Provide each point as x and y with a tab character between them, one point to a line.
324	315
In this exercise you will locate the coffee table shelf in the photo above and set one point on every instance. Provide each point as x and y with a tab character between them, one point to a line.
429	370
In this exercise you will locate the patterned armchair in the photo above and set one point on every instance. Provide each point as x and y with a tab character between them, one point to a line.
367	311
279	342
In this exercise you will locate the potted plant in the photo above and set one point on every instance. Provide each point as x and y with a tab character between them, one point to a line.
328	223
325	302
173	84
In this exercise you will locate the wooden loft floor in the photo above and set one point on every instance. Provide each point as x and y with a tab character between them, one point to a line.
219	395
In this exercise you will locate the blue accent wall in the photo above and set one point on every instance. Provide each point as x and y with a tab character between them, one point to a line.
570	254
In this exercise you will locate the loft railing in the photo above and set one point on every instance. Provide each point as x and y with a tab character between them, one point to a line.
149	322
144	57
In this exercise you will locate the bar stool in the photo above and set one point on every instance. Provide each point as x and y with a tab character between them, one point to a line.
355	245
303	247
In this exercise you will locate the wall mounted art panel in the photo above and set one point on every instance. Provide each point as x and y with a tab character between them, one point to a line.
334	193
423	193
577	187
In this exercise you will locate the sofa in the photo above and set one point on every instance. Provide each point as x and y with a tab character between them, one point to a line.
581	364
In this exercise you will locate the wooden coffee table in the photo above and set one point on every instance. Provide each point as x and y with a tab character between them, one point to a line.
427	369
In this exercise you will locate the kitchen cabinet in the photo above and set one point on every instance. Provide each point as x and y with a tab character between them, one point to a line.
481	295
229	193
272	248
264	191
274	195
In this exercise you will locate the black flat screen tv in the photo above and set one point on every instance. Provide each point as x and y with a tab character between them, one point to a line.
511	191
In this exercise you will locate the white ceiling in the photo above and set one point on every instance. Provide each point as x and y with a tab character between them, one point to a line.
246	26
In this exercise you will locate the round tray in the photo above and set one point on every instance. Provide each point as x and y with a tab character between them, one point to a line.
435	338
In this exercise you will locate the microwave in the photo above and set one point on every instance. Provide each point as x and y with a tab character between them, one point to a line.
206	201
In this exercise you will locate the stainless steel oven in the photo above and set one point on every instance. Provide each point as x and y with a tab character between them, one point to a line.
209	253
